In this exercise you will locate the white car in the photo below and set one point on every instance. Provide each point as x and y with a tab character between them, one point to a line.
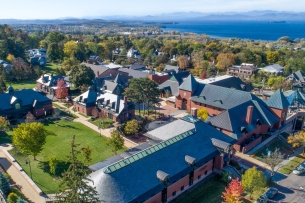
300	169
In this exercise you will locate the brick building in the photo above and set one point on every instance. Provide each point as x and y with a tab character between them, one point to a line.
244	70
180	155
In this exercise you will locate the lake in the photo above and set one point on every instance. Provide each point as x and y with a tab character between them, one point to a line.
255	30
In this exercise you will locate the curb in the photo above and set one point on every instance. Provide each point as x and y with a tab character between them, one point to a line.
14	162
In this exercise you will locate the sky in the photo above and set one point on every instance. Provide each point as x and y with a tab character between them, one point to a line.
52	9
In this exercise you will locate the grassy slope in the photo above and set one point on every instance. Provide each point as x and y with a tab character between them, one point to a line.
58	145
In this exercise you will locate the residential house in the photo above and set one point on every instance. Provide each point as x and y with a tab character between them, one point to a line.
158	53
95	60
38	56
180	155
113	106
273	68
102	71
5	65
169	68
295	77
139	67
16	104
48	83
134	73
237	113
133	53
245	70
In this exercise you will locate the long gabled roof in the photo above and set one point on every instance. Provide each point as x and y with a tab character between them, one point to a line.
134	179
96	68
189	84
278	100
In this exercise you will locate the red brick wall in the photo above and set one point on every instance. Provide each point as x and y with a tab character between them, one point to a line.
218	162
155	199
183	95
201	171
211	110
177	187
279	113
84	110
158	78
251	145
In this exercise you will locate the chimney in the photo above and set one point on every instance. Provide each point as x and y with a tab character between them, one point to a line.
194	112
97	73
249	114
125	100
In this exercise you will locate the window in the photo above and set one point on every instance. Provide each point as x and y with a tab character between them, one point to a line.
206	172
174	193
17	106
182	188
199	177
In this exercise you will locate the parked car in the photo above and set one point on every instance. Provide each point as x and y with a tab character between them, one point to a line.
300	169
261	199
271	192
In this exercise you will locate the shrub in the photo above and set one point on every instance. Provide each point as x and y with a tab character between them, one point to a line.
12	198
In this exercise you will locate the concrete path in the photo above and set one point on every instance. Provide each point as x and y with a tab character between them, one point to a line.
26	188
106	132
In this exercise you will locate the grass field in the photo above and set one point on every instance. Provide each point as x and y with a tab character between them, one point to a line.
271	146
291	165
208	192
58	145
50	68
25	84
107	122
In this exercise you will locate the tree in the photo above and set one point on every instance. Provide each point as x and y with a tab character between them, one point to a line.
225	60
2	85
81	75
30	138
54	52
53	163
29	117
70	48
61	91
38	71
116	141
12	197
75	184
54	37
183	61
253	180
20	200
274	159
86	151
272	56
131	127
233	192
203	75
297	140
3	123
5	186
202	114
10	58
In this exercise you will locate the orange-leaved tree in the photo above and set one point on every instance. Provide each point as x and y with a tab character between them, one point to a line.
233	192
61	91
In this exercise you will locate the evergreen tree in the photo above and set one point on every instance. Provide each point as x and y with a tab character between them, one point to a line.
74	187
4	184
2	85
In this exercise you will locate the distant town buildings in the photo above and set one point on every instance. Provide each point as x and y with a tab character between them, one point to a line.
245	70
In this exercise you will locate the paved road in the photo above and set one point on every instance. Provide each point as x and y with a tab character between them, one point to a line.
291	189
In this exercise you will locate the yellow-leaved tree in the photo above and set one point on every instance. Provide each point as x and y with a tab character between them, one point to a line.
203	114
297	140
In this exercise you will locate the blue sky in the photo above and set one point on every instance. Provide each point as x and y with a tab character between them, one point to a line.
50	9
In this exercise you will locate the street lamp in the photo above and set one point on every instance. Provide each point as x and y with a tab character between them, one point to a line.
27	161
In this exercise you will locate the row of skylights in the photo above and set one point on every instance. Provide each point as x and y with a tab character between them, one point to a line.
120	164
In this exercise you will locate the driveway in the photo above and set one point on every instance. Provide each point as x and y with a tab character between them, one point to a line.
291	189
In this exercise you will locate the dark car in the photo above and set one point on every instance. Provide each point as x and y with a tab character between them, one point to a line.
271	192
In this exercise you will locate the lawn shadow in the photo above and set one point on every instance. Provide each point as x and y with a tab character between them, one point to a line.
61	167
70	126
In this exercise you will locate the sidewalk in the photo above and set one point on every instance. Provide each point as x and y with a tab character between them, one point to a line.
291	157
106	132
252	160
30	194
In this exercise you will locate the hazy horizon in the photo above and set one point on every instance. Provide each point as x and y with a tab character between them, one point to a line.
55	9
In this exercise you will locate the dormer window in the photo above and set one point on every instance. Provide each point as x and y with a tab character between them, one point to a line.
17	106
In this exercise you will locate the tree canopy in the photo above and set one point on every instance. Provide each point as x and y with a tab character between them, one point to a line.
297	140
253	180
116	141
81	75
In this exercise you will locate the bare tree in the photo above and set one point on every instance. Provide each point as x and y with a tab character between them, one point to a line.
273	159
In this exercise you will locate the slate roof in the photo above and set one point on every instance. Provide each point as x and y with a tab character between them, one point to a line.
137	181
221	97
106	85
274	68
49	80
121	79
235	118
234	83
112	101
134	73
189	84
173	83
87	99
137	67
26	96
278	100
175	68
297	76
96	68
295	97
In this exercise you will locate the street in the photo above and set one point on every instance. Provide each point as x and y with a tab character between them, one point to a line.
291	189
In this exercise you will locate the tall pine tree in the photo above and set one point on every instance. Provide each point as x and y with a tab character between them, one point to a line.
73	186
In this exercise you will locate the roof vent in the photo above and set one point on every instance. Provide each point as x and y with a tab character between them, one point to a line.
243	129
190	160
162	176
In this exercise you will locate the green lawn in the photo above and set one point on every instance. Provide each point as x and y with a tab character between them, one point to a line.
107	122
26	84
50	68
291	165
5	137
208	192
58	145
271	146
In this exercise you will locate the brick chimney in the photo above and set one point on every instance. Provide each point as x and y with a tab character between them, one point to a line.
249	114
125	100
97	73
194	112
